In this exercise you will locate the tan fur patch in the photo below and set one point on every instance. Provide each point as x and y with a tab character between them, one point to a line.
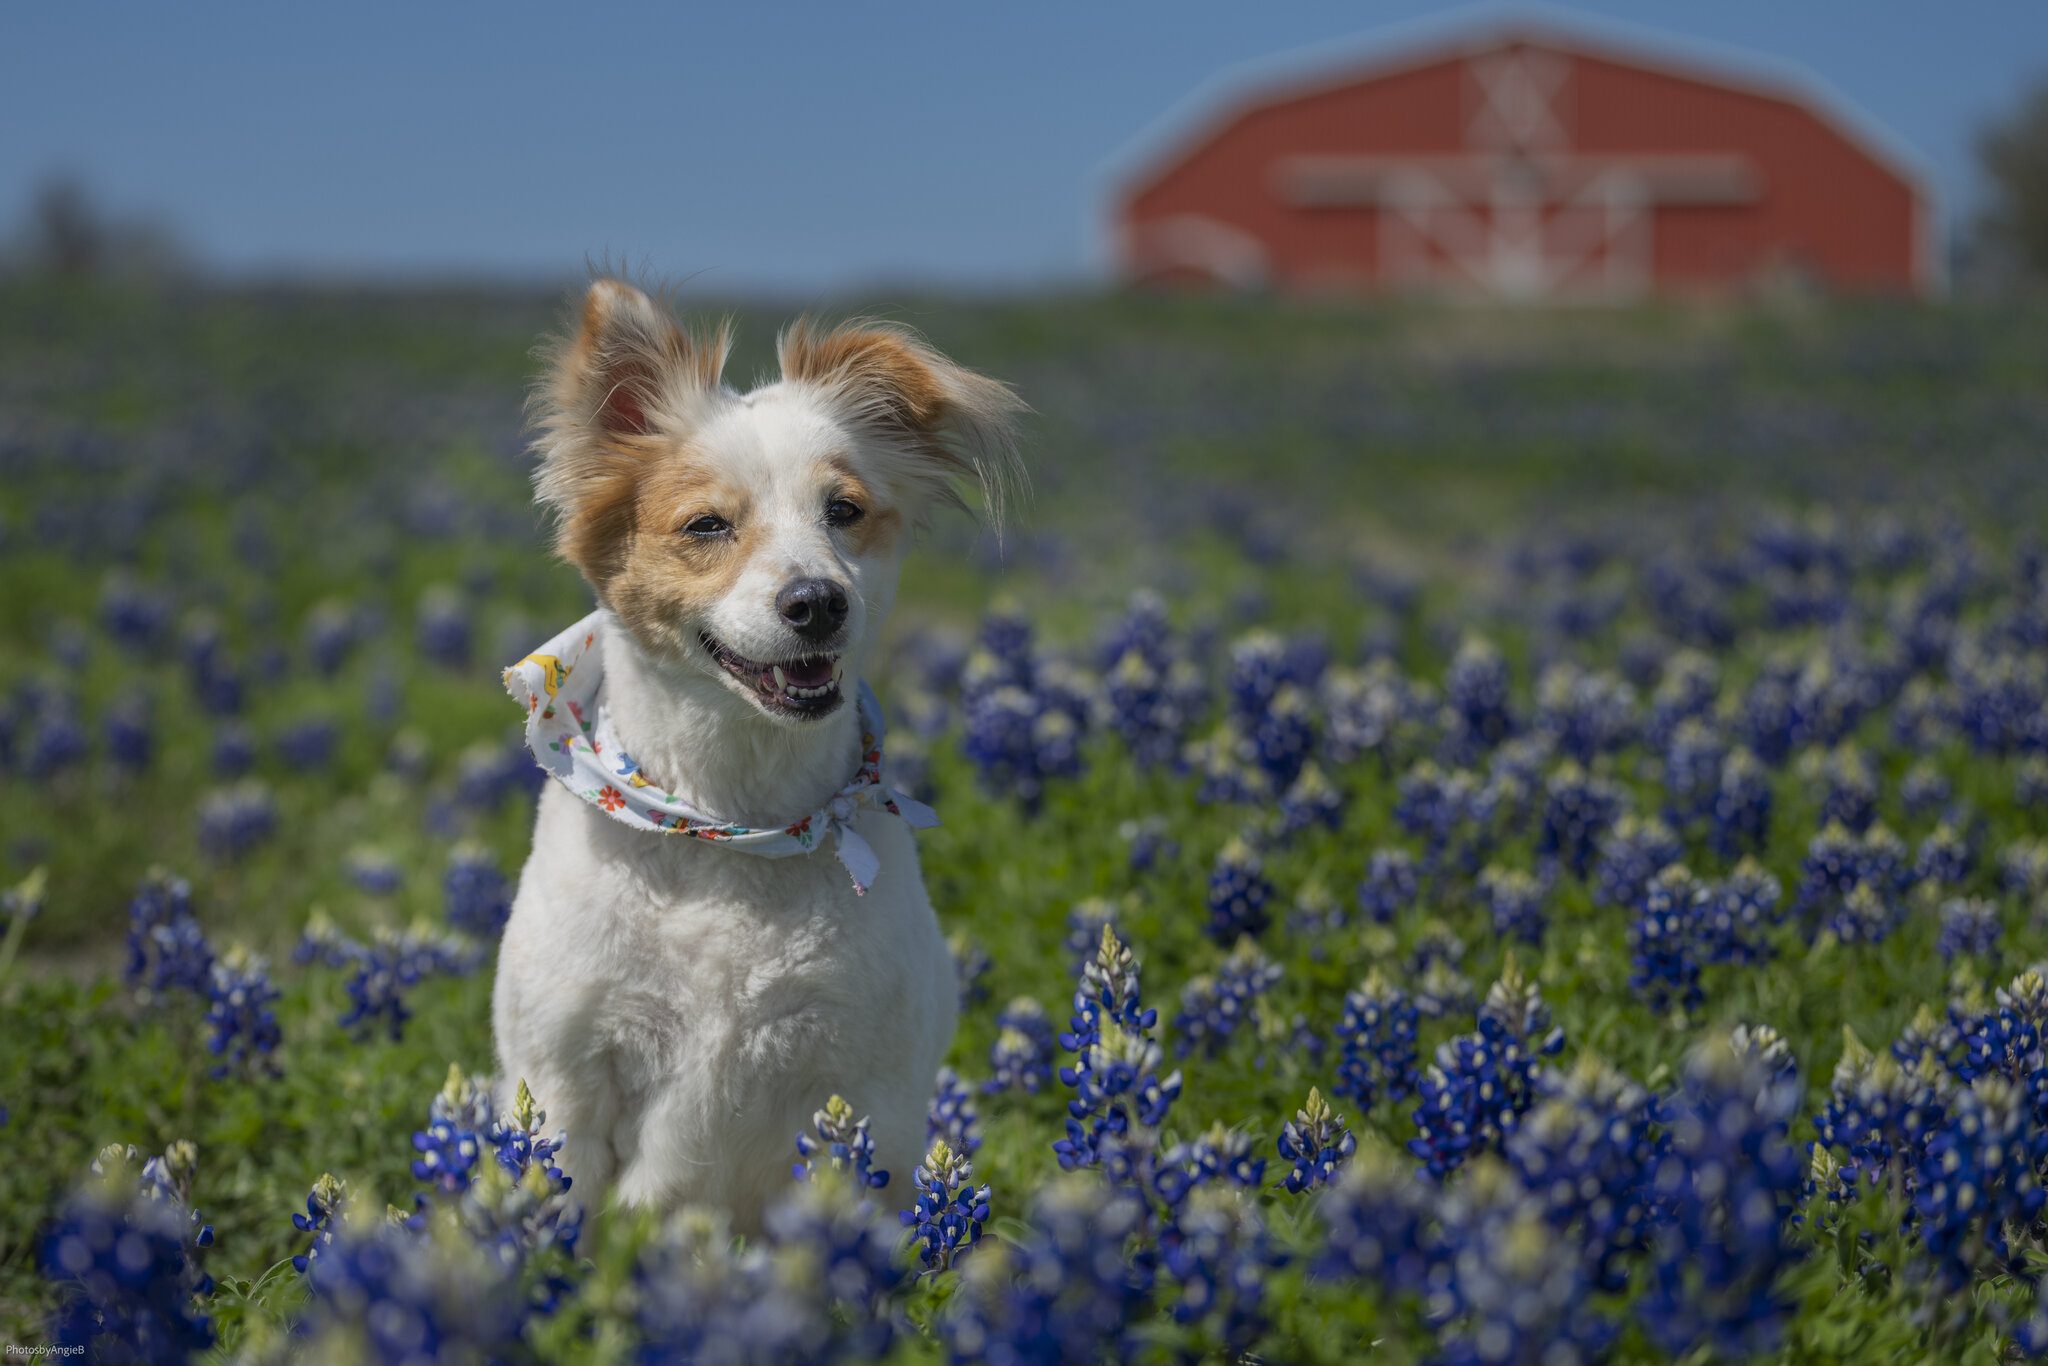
664	574
880	524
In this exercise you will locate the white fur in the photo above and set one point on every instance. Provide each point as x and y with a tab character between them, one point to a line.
681	1010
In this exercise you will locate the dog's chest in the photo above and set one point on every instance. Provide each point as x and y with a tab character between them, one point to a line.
725	959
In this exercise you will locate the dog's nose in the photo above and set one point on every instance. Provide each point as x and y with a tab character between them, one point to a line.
814	608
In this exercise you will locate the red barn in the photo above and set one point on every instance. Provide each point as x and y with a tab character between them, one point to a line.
1522	163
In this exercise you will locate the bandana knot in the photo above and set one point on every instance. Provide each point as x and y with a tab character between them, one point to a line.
568	729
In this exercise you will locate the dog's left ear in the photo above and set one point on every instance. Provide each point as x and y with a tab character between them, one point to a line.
943	420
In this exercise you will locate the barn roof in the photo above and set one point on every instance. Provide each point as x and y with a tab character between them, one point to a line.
1212	108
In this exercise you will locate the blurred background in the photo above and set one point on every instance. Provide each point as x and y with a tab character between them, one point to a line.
1326	311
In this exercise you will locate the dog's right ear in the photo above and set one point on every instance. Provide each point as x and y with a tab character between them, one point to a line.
611	394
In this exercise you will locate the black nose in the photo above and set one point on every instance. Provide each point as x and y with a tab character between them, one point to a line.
814	608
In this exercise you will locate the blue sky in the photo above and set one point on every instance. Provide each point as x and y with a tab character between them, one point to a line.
783	146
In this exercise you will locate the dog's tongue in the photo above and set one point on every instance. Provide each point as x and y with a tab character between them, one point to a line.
815	672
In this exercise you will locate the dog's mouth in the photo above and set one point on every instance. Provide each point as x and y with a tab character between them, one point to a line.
805	686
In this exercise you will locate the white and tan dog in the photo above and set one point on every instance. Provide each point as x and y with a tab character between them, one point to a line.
681	1009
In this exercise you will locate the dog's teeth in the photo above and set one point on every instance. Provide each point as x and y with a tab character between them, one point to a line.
781	683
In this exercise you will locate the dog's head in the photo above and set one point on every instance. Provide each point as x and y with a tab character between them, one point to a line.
756	538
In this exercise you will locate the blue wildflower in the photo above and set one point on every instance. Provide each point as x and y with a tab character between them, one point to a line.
1666	937
1317	1142
1514	899
1238	893
1213	1006
841	1143
949	1210
1969	925
243	1029
1390	885
1021	1057
1376	1037
952	1115
477	896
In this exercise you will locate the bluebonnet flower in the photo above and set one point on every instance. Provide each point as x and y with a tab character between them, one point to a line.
2030	782
234	750
329	635
1936	1039
489	775
1238	893
1978	1177
841	1143
308	744
1586	1152
442	632
1742	805
1150	842
1315	916
323	1203
1312	800
1119	1102
1633	851
1282	737
120	1257
58	741
1379	1227
135	615
459	1124
1739	912
1438	808
373	872
1925	788
1666	937
1435	942
1693	763
1213	1006
952	1115
1221	1155
1021	1057
1864	916
1969	925
131	743
843	1254
234	820
383	1292
477	896
1369	711
1476	692
1849	782
1086	920
1516	1293
383	971
2023	867
1475	1092
1578	807
1390	885
1017	742
1068	1291
1943	859
243	1029
1146	701
167	951
1220	1258
949	1210
1727	1186
696	1295
521	1144
1878	1114
1441	990
1587	713
1832	868
1376	1038
1686	692
1256	673
1317	1142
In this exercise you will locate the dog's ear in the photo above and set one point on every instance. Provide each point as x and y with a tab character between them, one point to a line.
626	376
939	419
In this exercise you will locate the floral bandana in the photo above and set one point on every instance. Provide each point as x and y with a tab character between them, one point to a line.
568	728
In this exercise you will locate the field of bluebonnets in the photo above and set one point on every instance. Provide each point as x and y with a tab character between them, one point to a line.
1496	838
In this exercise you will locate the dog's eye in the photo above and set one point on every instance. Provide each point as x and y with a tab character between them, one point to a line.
843	512
710	524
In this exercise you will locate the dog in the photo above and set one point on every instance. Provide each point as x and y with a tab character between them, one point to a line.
682	1009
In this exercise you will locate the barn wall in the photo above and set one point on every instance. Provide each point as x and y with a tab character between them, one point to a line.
1826	208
